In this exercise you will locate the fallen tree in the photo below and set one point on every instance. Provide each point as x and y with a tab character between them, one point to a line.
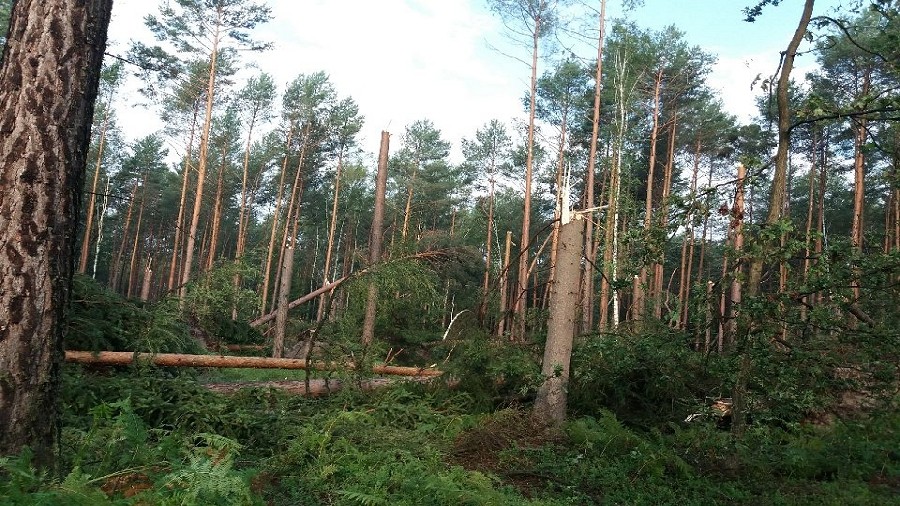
424	255
222	361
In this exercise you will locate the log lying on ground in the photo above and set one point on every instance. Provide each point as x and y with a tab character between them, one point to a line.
181	360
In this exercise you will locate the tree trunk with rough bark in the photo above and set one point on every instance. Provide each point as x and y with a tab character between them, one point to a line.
48	82
284	292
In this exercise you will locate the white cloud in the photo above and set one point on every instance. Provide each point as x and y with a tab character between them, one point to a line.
400	60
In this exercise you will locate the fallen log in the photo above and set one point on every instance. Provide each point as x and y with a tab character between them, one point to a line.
221	361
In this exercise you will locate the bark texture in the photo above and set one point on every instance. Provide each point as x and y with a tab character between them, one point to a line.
550	404
48	83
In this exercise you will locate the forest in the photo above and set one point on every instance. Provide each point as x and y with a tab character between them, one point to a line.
626	295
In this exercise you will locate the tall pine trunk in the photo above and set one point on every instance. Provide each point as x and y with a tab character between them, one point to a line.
179	222
640	285
519	299
376	239
276	215
89	219
590	244
332	226
201	164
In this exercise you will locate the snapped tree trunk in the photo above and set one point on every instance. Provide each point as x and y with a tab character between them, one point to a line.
375	241
48	82
550	404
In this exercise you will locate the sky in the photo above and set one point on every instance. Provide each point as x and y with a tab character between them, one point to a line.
405	60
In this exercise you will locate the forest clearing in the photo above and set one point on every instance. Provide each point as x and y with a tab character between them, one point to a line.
624	295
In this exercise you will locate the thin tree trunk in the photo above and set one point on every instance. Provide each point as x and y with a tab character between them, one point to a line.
117	261
611	235
737	225
639	304
137	241
100	219
519	302
809	220
376	239
658	266
485	286
217	214
703	234
859	174
409	195
687	250
242	214
331	229
293	202
504	285
201	165
89	220
49	76
590	248
179	222
276	214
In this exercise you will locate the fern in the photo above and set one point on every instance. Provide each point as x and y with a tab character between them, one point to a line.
362	498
